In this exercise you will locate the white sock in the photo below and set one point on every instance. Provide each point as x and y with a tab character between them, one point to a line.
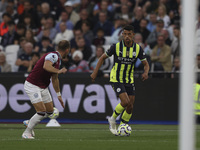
34	121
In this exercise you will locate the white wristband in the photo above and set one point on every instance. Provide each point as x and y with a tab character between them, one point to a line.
58	94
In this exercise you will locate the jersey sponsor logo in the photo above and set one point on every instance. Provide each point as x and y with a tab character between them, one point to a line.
126	60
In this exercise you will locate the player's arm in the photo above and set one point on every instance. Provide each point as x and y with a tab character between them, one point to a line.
48	66
56	86
99	63
146	70
142	57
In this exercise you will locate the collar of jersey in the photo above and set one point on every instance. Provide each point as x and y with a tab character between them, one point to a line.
124	44
58	54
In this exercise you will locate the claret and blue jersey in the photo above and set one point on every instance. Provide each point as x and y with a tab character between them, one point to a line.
124	60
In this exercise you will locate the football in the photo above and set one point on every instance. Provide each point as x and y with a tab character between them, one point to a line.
124	130
55	113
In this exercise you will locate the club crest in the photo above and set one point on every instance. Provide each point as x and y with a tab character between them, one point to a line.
134	53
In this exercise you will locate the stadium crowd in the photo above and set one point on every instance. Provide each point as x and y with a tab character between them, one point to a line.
31	28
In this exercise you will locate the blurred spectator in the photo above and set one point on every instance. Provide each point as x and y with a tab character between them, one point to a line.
4	66
23	60
64	18
79	65
176	67
162	14
4	24
166	34
46	11
11	10
29	35
161	55
8	38
93	61
84	16
124	13
99	39
78	33
34	58
81	45
143	29
118	3
73	16
103	6
3	4
87	5
28	9
175	12
49	27
86	29
29	24
22	42
138	16
65	34
20	32
152	38
151	26
139	40
116	35
103	23
175	45
44	46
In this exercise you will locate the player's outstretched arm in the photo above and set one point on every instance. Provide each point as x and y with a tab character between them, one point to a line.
55	82
99	64
146	70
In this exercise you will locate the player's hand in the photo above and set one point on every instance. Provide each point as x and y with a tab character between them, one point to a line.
63	70
93	76
61	101
144	76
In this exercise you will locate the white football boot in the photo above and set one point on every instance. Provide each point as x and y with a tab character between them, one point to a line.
27	135
25	122
112	126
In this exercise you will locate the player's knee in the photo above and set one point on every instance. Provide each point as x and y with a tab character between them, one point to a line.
130	106
125	103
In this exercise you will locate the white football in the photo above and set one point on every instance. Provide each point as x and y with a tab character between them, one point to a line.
55	113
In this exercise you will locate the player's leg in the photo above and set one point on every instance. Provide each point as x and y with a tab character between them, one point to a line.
35	119
130	89
128	112
122	105
43	109
121	93
47	99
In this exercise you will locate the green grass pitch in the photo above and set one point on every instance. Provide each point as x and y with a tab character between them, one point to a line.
92	137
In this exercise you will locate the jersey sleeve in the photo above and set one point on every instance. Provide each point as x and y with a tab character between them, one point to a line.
52	57
141	55
110	51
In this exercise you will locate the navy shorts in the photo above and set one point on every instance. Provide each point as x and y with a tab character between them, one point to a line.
121	88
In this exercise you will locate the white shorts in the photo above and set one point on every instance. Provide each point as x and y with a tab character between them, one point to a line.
37	94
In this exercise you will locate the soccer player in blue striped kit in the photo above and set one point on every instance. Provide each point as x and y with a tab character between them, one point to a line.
125	54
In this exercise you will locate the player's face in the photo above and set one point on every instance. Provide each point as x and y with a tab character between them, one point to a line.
128	36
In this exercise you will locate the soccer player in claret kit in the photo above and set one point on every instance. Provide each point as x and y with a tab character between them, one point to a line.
125	54
36	86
